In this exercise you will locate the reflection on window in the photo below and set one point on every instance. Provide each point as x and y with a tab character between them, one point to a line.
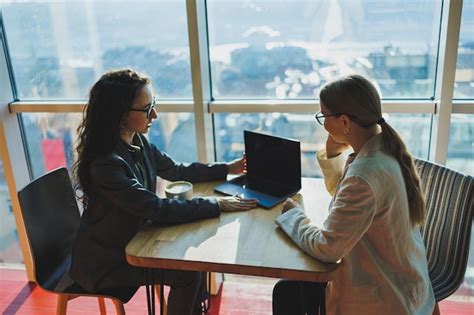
175	134
10	251
60	48
414	129
288	49
464	81
51	138
461	143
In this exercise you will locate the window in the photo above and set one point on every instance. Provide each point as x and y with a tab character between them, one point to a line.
461	143
414	129
287	49
175	134
51	138
59	49
10	251
464	81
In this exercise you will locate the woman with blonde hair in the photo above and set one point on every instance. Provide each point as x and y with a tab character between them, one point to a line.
374	216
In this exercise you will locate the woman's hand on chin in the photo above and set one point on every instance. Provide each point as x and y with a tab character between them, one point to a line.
334	148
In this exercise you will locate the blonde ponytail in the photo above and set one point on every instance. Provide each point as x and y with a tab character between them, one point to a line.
397	148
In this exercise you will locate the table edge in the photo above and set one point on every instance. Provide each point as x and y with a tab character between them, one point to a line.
259	271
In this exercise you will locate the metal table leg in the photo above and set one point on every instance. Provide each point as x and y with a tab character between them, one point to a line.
150	292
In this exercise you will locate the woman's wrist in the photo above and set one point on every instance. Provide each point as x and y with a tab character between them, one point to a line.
332	154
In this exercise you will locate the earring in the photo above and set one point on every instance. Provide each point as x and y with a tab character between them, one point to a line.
346	130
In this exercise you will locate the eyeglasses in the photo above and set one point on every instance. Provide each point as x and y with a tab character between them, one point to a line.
320	117
148	108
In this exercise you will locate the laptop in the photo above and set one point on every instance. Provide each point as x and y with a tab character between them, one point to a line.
273	170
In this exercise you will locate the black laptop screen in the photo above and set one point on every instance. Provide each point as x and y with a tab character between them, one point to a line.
272	162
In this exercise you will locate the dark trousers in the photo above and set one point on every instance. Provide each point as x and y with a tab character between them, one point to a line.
187	288
298	298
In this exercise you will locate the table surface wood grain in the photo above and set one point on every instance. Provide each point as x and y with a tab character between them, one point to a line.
248	243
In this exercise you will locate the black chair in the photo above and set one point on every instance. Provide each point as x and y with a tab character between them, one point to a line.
447	230
51	218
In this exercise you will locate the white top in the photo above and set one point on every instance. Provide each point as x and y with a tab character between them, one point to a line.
384	269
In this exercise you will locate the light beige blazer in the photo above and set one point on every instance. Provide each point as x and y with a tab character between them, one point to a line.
384	267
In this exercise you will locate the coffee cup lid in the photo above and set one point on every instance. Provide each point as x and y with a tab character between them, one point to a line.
181	184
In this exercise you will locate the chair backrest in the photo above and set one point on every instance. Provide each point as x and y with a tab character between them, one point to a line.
51	217
447	230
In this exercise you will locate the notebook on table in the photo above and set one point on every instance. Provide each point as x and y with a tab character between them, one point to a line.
273	170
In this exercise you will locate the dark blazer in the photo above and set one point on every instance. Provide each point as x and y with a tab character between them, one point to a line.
121	204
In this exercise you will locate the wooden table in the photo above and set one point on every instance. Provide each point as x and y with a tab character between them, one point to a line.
248	243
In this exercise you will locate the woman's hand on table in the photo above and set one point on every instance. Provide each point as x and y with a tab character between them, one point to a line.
235	203
290	204
237	166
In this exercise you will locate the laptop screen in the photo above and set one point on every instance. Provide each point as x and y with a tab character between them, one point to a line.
272	162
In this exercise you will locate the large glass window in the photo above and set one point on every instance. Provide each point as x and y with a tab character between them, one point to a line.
287	49
464	81
461	143
59	48
175	134
51	138
414	129
10	252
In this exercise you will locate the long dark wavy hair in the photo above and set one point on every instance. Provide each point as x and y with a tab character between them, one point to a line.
357	96
99	132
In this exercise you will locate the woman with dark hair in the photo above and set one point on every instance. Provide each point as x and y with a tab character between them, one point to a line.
374	216
116	173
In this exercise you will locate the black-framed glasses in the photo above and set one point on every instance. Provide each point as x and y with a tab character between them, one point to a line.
147	109
320	117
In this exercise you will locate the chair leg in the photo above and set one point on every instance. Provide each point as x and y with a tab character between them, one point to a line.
61	304
119	307
102	309
158	294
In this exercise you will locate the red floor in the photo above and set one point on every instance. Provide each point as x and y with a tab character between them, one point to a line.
238	296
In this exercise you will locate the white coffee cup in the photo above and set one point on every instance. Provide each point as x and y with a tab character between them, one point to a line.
179	190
